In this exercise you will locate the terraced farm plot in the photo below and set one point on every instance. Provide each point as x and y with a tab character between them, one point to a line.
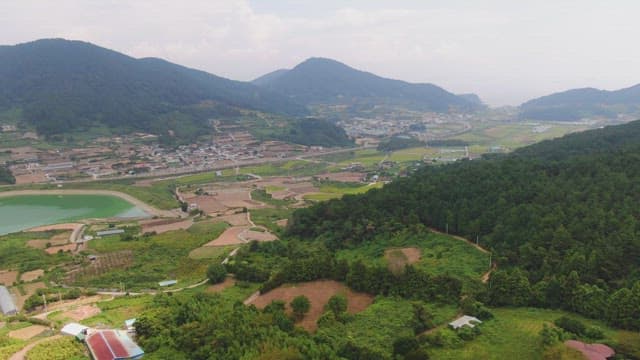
318	293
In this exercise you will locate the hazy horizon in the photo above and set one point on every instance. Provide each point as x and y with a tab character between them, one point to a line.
505	52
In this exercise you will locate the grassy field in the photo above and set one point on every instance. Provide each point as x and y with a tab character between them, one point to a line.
514	334
381	323
155	258
336	190
514	135
65	348
15	254
115	312
267	217
441	254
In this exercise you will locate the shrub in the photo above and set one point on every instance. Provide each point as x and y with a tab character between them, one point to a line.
571	325
336	304
216	273
300	306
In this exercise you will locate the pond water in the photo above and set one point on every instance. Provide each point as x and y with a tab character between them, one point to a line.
26	211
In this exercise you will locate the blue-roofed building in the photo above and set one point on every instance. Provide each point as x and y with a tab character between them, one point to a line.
7	306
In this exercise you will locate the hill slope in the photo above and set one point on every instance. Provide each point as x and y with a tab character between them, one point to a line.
326	81
63	84
562	213
579	103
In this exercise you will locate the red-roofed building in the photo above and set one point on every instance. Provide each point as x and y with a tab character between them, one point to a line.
112	345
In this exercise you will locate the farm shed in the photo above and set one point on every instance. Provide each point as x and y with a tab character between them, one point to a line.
464	320
168	282
7	305
110	232
73	329
112	345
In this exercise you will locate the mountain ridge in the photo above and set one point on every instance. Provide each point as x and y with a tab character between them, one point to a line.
320	80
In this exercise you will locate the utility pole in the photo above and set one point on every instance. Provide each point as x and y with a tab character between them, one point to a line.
490	264
44	298
446	226
477	239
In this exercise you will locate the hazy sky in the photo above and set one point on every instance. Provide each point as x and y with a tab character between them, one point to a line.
505	51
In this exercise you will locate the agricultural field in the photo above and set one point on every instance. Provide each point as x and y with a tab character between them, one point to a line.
318	293
154	258
335	190
62	348
514	334
514	135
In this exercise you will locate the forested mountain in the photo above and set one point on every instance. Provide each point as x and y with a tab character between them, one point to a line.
62	85
326	81
580	103
561	218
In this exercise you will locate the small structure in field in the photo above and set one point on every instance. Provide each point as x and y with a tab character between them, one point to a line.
7	306
111	345
110	232
130	325
464	320
74	329
167	283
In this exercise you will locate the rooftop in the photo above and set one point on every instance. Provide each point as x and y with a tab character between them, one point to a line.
7	306
464	320
112	344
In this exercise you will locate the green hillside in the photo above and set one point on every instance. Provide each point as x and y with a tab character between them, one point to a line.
62	85
560	217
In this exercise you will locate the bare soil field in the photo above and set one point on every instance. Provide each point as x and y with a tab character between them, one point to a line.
66	226
234	197
250	235
235	219
227	283
55	249
591	351
36	177
228	237
341	176
207	203
318	293
82	312
282	222
8	277
163	226
31	275
398	258
56	240
28	332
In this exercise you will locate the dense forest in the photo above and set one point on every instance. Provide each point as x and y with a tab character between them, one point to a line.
6	177
314	132
560	217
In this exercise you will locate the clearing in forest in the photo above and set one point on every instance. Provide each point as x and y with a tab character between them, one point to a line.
397	259
318	293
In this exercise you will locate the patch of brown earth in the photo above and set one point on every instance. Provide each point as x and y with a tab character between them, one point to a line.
8	277
160	228
227	283
250	235
318	293
28	332
56	249
591	351
82	312
341	176
236	219
282	222
207	203
67	226
31	275
234	198
228	237
397	259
